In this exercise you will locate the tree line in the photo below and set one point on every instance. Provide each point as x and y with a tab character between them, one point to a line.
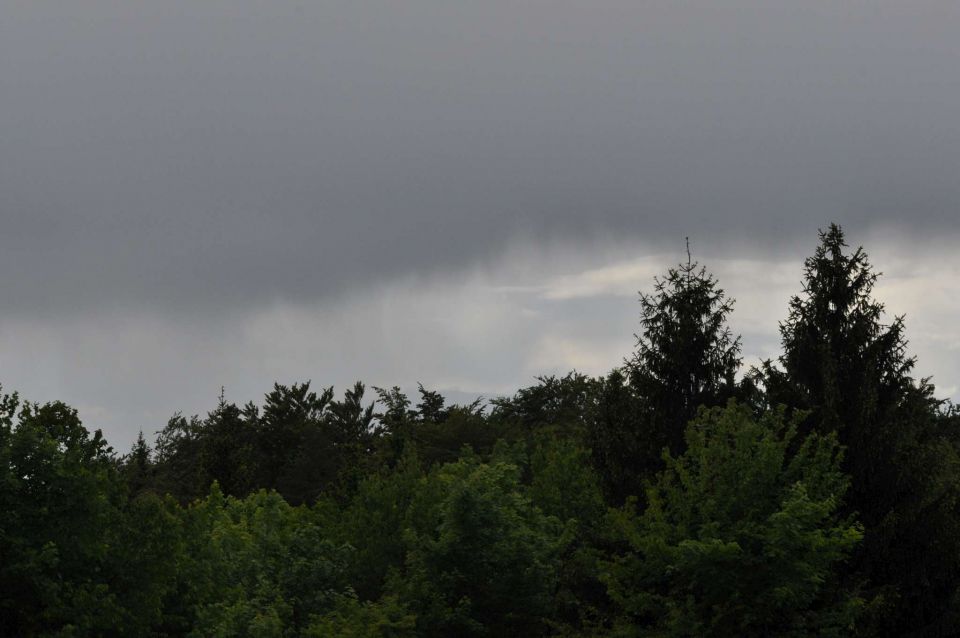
679	495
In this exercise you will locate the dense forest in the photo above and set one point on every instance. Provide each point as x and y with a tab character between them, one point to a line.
682	494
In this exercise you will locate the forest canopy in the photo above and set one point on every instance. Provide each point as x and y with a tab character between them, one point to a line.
682	494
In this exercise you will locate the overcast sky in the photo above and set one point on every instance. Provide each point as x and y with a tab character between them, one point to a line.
467	194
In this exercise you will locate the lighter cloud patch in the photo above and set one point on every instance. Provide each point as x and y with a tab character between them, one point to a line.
486	330
559	354
619	279
761	288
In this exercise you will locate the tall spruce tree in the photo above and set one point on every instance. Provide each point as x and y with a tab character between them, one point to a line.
227	450
686	355
851	371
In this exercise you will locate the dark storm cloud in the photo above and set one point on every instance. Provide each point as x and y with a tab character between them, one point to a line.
192	155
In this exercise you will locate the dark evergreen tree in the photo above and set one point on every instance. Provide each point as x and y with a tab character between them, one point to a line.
137	466
851	371
686	355
228	450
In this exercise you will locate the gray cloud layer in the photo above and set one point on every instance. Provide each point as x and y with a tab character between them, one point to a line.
199	155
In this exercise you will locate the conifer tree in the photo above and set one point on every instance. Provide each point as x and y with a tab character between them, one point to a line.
138	466
227	450
852	372
686	355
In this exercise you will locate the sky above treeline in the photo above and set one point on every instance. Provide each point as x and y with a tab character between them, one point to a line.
465	194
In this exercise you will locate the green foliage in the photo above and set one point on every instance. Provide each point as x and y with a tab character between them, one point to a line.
301	444
741	536
352	619
441	441
560	404
58	493
257	567
373	523
564	484
145	556
431	407
482	560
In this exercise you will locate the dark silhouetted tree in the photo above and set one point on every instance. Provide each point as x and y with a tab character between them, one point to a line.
686	355
228	450
851	371
137	467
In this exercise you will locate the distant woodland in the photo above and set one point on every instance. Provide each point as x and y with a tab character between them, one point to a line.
682	494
